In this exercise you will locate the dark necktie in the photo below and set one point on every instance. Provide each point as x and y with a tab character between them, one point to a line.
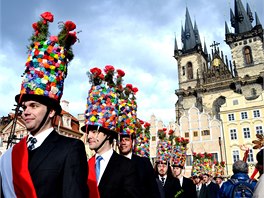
32	141
163	181
97	166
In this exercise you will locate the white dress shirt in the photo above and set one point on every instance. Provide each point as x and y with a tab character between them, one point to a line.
40	137
103	163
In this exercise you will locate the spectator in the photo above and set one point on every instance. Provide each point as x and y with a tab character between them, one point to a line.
240	170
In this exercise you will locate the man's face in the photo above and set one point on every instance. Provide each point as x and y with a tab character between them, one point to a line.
176	171
162	169
218	180
95	139
125	145
196	180
205	178
33	114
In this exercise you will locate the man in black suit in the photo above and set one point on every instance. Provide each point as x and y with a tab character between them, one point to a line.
187	184
45	164
145	171
211	189
200	186
170	185
117	177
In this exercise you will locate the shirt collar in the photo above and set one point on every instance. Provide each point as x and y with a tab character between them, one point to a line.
41	136
107	155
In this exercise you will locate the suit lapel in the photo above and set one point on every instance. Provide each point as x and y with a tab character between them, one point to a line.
43	151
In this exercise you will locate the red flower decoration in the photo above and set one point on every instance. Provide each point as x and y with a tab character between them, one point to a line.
109	68
95	71
141	122
135	90
69	25
47	16
120	73
171	132
147	125
73	37
129	86
164	129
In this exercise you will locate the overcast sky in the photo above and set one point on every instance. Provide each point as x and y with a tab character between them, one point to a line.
136	36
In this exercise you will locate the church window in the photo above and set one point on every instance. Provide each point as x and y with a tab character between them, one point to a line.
183	71
205	132
235	155
233	134
189	71
248	55
188	160
259	130
246	132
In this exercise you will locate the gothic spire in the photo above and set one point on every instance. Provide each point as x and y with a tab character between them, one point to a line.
249	13
189	36
257	19
241	20
205	48
226	28
175	44
196	34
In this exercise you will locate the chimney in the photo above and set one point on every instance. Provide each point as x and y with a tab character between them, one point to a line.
65	105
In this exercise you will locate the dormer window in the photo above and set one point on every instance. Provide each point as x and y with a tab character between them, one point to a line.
66	121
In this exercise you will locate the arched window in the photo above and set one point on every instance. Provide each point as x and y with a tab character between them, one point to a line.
183	70
189	71
248	55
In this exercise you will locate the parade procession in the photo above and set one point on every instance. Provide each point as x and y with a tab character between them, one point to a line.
137	128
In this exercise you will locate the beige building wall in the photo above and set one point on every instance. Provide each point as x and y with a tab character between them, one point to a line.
242	120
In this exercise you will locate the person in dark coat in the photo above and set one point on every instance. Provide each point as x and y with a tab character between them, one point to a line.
186	184
211	188
145	172
45	163
199	186
171	185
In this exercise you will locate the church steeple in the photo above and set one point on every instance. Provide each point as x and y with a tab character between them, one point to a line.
196	34
189	41
241	21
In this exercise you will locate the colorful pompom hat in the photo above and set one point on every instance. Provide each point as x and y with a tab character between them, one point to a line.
197	164
127	119
141	147
46	66
207	165
103	99
164	147
219	169
179	150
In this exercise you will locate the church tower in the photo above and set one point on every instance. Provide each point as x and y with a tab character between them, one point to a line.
246	43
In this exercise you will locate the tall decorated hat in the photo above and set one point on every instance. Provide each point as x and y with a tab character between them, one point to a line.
103	98
197	164
164	147
219	169
127	118
179	150
207	166
141	147
46	65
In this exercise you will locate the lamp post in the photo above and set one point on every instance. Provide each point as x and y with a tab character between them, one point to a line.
220	145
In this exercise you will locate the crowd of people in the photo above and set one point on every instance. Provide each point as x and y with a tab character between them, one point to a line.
47	164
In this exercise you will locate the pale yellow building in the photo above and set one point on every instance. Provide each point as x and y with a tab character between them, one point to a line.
242	120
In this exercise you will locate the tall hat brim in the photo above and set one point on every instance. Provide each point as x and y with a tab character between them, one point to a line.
87	128
45	100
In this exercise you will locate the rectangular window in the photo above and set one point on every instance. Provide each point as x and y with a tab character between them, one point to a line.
246	132
235	155
215	157
188	160
183	71
186	134
233	134
153	138
259	130
244	115
235	102
206	132
195	133
256	113
250	156
231	117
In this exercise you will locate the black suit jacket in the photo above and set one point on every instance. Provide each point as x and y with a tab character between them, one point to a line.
119	179
189	189
58	168
212	190
146	176
172	187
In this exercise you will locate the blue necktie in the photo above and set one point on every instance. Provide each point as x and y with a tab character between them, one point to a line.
97	166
